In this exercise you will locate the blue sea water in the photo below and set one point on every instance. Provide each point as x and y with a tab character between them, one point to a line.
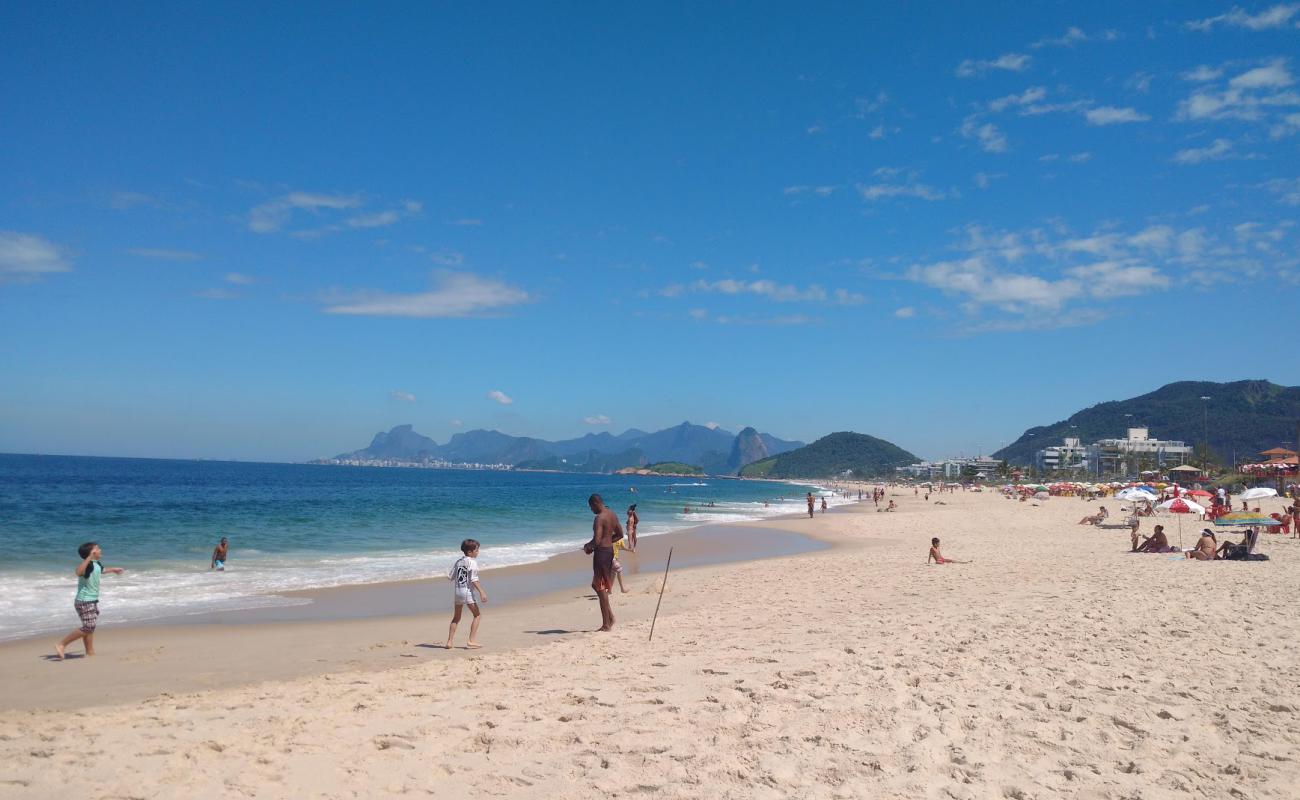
299	526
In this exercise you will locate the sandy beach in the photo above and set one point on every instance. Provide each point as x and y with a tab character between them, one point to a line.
1055	665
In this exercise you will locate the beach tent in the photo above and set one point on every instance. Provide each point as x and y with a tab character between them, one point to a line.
1186	468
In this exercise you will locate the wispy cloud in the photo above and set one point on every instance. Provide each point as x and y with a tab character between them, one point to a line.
1278	16
26	257
1254	95
1111	115
888	186
405	397
1219	149
239	278
906	312
500	397
1286	189
781	293
1202	73
466	222
821	191
164	254
271	216
1029	96
455	294
1012	62
1073	36
986	134
596	419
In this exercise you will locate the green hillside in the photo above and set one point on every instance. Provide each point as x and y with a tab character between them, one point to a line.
830	456
1245	417
674	468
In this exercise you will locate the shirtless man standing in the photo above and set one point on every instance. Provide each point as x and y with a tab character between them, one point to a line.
810	505
605	530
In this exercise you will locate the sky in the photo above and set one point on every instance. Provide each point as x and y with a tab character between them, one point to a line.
246	231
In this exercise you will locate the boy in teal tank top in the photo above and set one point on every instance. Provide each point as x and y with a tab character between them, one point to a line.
87	599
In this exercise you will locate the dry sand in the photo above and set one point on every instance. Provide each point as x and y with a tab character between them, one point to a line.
1056	665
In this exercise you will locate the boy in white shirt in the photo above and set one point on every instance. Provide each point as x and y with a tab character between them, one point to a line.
464	581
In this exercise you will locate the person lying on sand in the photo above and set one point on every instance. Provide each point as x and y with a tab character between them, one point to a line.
1157	542
937	557
1095	519
1205	547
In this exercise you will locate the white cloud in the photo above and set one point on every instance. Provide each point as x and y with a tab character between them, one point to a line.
1012	62
455	294
598	419
1288	125
1274	75
448	258
990	139
748	319
163	254
405	397
1203	73
886	188
1073	36
274	215
26	257
379	219
500	397
1116	279
1195	155
1029	96
1253	95
239	279
1110	115
1286	189
781	293
906	312
1080	158
877	132
466	222
821	191
698	313
1277	16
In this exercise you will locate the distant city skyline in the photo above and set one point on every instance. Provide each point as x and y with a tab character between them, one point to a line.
248	232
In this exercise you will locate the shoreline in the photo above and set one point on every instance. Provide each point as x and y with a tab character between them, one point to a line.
366	627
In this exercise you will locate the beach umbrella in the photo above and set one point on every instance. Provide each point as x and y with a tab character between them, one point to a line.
1259	492
1042	496
1180	506
1135	494
1199	493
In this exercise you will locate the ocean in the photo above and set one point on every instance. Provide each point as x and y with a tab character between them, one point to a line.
302	526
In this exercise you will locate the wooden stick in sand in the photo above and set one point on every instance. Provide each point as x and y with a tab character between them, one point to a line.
662	586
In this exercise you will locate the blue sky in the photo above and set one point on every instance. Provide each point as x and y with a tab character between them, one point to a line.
251	232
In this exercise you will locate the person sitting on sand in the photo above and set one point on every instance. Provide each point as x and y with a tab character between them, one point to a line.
937	557
892	505
1134	523
1096	519
1238	550
1157	542
1205	547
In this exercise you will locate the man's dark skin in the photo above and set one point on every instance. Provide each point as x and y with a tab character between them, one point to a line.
605	530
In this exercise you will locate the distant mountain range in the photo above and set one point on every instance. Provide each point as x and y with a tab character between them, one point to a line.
715	450
1244	418
857	454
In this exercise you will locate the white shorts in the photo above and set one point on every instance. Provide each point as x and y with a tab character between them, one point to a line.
465	597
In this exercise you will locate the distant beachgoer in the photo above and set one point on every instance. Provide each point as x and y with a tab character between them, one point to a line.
219	554
937	557
464	580
823	505
87	600
605	530
810	505
1134	523
892	505
1096	519
1205	547
632	521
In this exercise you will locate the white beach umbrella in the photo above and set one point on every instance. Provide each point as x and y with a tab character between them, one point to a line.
1136	494
1259	492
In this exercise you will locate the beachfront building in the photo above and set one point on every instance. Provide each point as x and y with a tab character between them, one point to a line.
952	469
1134	453
1069	456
